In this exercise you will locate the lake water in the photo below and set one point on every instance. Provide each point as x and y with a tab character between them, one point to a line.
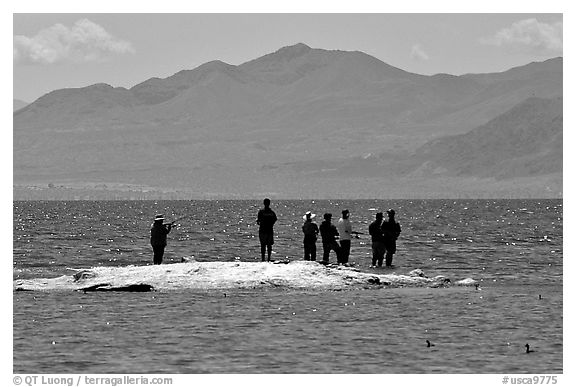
512	247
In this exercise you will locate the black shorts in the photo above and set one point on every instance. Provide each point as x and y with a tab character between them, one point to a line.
266	238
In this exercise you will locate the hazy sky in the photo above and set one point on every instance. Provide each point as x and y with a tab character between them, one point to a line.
53	51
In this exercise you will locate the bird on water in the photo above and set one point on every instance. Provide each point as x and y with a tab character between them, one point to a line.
429	344
528	350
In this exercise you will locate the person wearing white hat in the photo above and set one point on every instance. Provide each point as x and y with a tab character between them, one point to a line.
158	237
310	230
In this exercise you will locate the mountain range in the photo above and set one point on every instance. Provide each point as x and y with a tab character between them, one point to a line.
302	123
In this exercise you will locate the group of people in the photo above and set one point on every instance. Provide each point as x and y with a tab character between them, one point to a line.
384	234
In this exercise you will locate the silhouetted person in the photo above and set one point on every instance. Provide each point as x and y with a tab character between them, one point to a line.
378	247
266	220
329	234
345	230
310	230
391	230
158	236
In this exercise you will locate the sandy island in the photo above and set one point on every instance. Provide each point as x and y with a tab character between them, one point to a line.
230	275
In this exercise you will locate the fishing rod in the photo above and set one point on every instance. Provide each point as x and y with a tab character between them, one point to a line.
172	223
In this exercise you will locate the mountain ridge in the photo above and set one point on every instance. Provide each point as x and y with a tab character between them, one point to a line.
295	105
18	104
530	130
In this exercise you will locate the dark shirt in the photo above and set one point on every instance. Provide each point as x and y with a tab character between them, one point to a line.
310	230
328	232
158	234
391	230
375	230
266	220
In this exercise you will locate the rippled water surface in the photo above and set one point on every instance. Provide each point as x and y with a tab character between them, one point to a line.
514	248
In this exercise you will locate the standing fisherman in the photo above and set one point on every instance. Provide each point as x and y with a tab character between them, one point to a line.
391	230
266	220
329	234
310	230
378	247
158	234
345	230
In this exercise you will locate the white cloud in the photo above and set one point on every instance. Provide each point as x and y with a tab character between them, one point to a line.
85	41
529	35
418	54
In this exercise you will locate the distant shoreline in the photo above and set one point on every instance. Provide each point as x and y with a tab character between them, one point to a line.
364	189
